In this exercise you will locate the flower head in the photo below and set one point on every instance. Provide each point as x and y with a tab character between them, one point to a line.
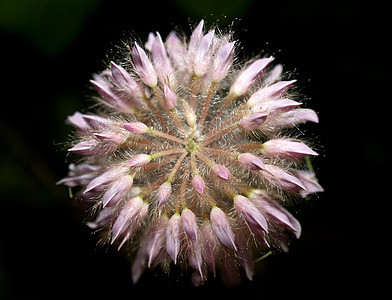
189	160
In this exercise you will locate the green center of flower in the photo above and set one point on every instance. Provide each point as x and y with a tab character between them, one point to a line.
191	146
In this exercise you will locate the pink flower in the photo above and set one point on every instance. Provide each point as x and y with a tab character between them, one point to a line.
189	159
248	76
161	60
253	120
126	217
170	97
203	54
117	190
144	66
221	171
138	160
190	223
283	179
251	215
173	236
251	161
286	148
221	227
136	127
222	62
164	193
198	184
309	180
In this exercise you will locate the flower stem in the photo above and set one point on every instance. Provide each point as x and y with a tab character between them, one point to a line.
177	166
220	133
207	103
166	136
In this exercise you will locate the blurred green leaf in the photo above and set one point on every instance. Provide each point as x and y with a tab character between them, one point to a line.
51	25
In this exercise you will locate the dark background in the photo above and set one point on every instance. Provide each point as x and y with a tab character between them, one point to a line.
49	49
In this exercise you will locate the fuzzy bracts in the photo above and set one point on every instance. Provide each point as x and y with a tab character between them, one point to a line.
189	160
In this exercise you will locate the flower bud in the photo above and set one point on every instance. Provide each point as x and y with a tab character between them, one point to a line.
138	160
144	66
222	62
248	76
253	121
173	236
170	97
221	171
136	127
190	223
117	190
272	91
203	54
251	161
198	184
309	180
164	193
161	61
283	179
126	217
251	215
222	228
286	148
189	115
155	240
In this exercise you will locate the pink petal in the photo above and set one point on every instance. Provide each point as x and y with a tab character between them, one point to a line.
283	179
190	223
221	171
285	147
251	161
221	227
222	62
173	236
253	120
127	215
248	76
198	184
117	190
164	193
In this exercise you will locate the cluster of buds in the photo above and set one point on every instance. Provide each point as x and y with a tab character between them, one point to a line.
188	160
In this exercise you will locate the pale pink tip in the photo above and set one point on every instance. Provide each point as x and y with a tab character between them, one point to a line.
285	147
164	193
252	216
198	184
283	179
136	127
253	121
155	240
126	217
221	227
144	66
203	54
170	97
309	180
221	171
251	161
189	222
139	160
279	215
117	190
248	76
173	236
273	91
160	58
222	62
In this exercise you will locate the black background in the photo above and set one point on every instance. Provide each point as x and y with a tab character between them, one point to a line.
49	49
